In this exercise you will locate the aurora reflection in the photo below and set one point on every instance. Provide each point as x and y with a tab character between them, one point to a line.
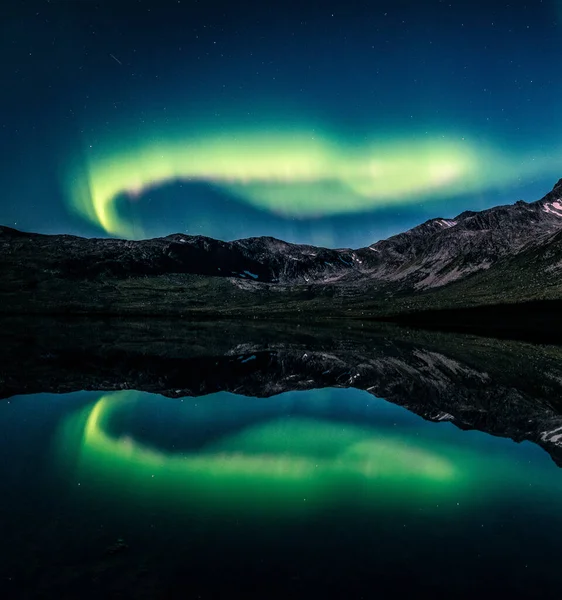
278	465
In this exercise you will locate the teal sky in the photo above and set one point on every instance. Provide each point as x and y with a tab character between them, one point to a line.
330	123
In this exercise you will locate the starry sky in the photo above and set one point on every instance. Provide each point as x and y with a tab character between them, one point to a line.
332	123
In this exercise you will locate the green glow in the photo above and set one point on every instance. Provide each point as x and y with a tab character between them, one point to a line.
293	173
278	467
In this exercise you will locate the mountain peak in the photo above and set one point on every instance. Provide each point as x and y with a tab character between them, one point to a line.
437	253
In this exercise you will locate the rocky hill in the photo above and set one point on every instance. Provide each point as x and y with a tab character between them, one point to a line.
504	255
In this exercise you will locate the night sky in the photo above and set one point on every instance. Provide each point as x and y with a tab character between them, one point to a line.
333	123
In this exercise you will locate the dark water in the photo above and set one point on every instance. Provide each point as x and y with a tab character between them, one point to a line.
322	493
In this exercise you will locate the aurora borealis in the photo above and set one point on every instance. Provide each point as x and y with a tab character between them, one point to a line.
326	123
295	175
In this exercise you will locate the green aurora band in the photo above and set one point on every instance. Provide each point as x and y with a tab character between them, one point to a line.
281	467
293	173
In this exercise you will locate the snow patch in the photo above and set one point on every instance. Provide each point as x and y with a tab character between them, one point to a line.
251	274
447	223
444	417
554	208
550	435
253	357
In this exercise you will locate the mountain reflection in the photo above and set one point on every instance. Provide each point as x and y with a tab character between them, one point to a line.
148	456
505	388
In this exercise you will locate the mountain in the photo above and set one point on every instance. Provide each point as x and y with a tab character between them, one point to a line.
504	255
509	389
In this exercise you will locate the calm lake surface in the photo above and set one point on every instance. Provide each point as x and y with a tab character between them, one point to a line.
320	493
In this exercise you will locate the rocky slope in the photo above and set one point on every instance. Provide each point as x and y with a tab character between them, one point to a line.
506	254
509	389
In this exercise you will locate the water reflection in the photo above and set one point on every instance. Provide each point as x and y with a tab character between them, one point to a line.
298	452
265	461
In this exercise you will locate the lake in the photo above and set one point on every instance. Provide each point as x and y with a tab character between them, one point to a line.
332	491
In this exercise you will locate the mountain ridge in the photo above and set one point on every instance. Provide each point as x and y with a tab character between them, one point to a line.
433	265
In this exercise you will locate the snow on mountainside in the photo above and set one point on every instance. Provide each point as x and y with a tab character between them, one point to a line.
444	250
